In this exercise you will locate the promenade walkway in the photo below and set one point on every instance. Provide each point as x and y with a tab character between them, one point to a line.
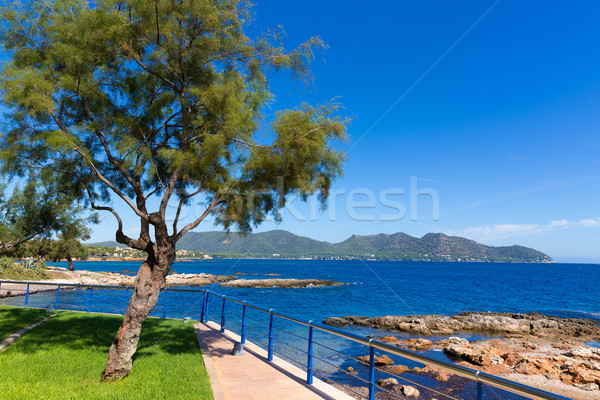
251	376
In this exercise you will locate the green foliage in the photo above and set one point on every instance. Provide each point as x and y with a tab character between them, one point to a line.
100	250
41	208
49	249
136	98
64	358
25	270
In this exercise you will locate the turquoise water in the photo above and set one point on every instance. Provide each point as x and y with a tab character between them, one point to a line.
375	288
401	288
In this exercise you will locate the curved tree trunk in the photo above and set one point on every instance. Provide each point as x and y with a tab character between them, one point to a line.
148	283
70	262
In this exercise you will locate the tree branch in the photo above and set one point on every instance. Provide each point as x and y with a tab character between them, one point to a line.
99	175
156	74
104	208
180	206
194	224
249	144
120	236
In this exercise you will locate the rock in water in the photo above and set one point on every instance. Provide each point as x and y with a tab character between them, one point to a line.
387	382
410	391
382	360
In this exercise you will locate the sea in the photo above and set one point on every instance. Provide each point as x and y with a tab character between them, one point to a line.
404	288
375	288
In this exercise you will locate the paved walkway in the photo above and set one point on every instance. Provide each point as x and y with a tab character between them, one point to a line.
250	376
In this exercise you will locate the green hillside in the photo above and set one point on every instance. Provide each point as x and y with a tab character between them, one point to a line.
398	246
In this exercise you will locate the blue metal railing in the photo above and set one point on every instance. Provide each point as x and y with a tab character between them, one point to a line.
252	324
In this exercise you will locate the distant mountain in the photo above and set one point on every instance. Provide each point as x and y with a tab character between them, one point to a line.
110	243
398	246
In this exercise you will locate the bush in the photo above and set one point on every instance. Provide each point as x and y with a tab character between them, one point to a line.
26	269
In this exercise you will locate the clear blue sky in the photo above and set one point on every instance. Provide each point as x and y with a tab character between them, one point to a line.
504	128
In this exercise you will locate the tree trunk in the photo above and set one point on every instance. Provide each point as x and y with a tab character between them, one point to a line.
148	283
71	265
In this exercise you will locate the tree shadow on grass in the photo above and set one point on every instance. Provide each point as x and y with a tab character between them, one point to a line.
96	331
14	319
172	337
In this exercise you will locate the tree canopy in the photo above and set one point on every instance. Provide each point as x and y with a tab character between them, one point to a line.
161	98
39	209
133	98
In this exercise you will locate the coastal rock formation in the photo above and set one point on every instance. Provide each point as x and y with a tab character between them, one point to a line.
62	275
393	386
579	366
387	382
281	283
197	279
379	360
539	350
493	323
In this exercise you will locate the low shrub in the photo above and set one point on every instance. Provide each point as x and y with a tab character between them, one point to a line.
26	269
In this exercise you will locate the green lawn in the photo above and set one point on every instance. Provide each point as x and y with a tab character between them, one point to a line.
64	359
13	319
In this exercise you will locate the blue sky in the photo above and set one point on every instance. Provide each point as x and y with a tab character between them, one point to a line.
503	129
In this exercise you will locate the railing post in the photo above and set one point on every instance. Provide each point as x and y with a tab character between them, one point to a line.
27	296
202	308
126	299
243	332
371	373
165	305
206	308
309	364
270	347
223	316
90	301
479	391
57	297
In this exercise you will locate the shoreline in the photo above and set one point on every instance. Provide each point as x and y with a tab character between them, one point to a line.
59	275
212	259
539	350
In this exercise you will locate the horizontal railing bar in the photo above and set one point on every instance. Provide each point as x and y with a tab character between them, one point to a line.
468	373
341	370
255	331
472	374
290	333
87	285
318	375
298	363
289	345
338	352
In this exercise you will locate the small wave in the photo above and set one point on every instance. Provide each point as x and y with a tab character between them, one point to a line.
578	314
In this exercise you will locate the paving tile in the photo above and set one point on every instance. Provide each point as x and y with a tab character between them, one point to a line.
251	377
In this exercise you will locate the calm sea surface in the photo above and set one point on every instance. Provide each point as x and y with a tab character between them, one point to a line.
406	288
375	288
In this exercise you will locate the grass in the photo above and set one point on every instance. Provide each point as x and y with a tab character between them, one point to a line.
13	319
23	276
64	359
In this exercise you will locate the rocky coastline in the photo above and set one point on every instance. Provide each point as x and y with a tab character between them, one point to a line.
61	275
489	323
280	283
540	350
